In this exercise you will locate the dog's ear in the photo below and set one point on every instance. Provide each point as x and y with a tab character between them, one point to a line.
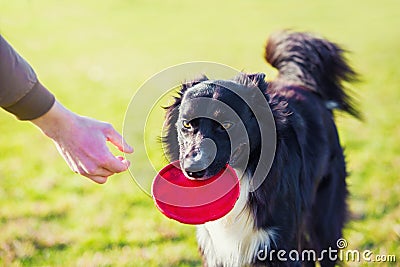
251	79
258	79
254	84
170	136
189	84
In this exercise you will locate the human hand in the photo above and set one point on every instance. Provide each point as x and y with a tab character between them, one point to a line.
82	143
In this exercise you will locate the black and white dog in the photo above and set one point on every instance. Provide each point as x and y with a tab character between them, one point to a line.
301	203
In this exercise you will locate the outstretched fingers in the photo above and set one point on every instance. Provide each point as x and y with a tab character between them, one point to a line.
116	139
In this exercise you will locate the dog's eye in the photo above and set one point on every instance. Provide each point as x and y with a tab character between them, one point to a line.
226	125
186	125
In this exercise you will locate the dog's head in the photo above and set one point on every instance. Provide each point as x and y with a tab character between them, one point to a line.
212	124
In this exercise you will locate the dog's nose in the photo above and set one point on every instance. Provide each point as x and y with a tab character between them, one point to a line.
198	174
196	162
194	168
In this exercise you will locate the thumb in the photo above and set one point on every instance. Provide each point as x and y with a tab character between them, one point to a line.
116	139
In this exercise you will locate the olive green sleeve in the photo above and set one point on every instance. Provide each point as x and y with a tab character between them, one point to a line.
21	93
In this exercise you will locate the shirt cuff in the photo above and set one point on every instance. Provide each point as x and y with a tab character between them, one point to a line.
34	104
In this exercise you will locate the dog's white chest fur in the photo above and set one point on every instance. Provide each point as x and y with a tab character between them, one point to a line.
233	239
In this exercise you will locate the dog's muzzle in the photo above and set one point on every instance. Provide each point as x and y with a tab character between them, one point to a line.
196	162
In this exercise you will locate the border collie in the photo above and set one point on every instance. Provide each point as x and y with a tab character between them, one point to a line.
301	202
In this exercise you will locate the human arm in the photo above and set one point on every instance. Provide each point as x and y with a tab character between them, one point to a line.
21	93
82	143
80	140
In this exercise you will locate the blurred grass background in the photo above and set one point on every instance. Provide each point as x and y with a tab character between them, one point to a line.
94	54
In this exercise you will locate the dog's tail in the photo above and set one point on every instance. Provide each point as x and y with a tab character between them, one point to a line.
313	62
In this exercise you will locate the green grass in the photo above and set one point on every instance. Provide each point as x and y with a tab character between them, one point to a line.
95	54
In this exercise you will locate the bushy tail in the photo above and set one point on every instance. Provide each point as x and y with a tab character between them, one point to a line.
313	62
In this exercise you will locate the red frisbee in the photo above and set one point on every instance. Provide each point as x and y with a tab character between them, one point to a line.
195	201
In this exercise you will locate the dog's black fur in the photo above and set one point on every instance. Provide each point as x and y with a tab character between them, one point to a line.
303	197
